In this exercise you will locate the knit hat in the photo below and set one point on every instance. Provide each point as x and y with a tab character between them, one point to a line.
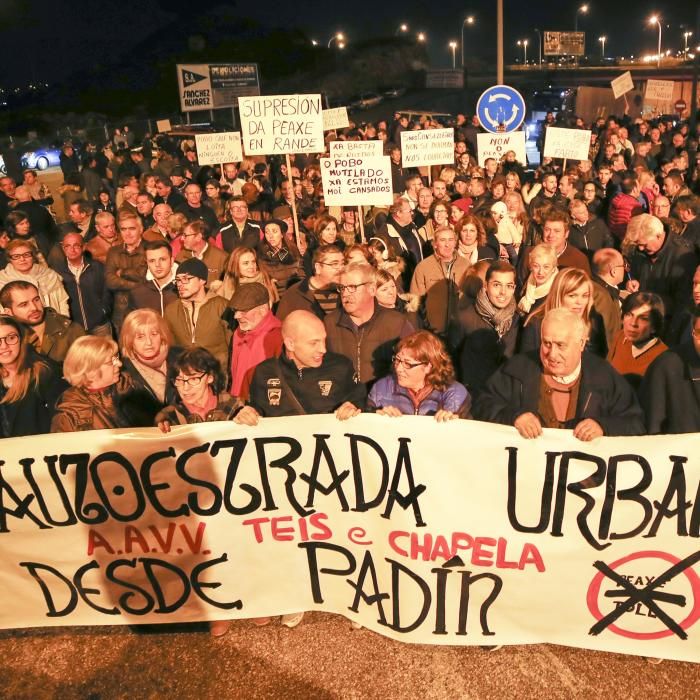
194	267
248	296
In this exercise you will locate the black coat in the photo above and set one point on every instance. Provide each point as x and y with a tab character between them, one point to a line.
604	395
670	392
90	300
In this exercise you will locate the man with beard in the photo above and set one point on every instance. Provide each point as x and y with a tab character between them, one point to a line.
489	327
50	333
159	289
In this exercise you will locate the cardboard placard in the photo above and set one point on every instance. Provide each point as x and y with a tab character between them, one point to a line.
427	147
224	147
497	145
336	118
355	181
622	84
567	143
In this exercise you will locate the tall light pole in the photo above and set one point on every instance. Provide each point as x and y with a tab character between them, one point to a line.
453	46
655	19
685	38
470	21
581	11
339	37
523	43
539	35
499	42
602	40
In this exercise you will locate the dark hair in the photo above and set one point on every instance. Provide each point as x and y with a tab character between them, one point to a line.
195	359
323	250
499	266
656	309
11	221
6	291
157	245
556	214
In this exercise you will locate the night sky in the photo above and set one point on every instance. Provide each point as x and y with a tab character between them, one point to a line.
49	40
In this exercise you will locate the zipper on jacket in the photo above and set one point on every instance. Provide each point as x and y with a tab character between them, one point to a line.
80	299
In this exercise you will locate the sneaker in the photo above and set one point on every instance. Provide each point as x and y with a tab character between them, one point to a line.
292	620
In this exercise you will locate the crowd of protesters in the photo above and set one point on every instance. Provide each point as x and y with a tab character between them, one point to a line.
178	293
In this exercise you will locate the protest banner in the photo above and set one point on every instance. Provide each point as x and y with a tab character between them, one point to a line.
567	143
427	147
163	125
622	84
659	91
497	145
356	149
336	118
388	521
357	181
214	149
281	124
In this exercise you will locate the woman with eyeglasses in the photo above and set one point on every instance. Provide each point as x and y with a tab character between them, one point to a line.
93	402
422	382
30	384
26	264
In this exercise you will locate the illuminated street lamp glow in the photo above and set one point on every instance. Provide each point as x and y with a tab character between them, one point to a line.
468	21
602	40
655	19
453	47
421	37
339	37
401	29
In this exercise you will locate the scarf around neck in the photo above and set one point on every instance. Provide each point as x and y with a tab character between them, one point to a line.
500	319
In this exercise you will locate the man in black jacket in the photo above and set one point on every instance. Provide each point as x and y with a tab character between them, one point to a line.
305	378
562	387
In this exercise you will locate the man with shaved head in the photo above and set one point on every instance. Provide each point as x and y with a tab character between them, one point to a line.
306	378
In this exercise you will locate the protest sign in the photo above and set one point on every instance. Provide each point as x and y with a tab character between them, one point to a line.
281	124
427	147
336	118
659	91
497	145
622	84
356	149
355	181
567	143
224	147
388	521
163	125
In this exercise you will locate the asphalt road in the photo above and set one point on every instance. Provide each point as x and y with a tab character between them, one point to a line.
322	658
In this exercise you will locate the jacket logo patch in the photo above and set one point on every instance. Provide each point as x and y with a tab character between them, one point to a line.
273	381
325	387
274	396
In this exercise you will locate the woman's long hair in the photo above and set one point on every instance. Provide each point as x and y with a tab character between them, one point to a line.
30	367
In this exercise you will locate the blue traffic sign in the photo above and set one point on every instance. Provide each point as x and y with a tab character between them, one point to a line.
500	109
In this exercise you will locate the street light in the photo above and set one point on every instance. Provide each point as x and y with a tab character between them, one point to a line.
470	21
453	46
655	19
523	43
581	11
685	37
421	38
401	29
314	42
339	37
602	40
539	35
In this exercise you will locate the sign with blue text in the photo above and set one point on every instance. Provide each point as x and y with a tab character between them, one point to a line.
500	109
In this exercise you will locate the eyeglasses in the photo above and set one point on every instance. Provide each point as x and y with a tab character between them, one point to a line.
114	360
337	264
400	362
21	256
179	281
11	339
625	264
350	288
189	381
189	235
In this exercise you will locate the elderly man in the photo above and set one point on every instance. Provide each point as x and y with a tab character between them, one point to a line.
362	330
195	244
242	231
670	389
159	228
50	333
126	266
319	293
438	280
257	338
194	210
421	213
608	273
561	387
107	237
81	220
306	378
588	233
489	327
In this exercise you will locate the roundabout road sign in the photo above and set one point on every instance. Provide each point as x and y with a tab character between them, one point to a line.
501	109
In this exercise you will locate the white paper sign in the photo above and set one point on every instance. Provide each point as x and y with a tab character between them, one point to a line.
358	149
567	143
163	125
219	148
622	84
659	90
336	118
353	181
497	145
427	147
281	124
